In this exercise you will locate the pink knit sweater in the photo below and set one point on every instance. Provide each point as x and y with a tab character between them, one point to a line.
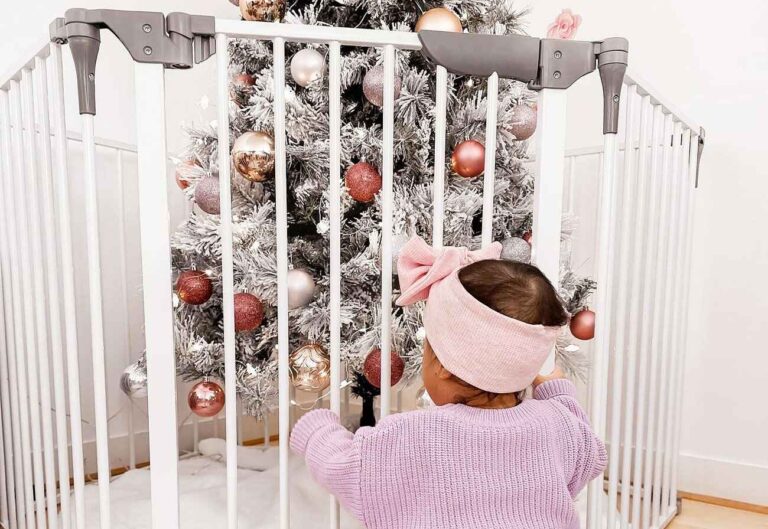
457	467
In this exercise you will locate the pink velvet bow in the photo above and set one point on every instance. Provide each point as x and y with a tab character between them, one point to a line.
420	266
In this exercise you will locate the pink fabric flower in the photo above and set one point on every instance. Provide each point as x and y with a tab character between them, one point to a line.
564	26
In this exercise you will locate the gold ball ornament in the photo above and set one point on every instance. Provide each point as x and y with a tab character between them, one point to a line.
310	367
254	155
439	19
262	10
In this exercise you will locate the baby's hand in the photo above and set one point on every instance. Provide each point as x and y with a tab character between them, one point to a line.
554	375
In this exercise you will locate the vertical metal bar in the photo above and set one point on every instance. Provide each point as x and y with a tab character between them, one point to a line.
489	176
281	194
52	267
68	284
658	301
548	189
438	185
386	229
4	510
334	212
156	283
651	251
667	321
624	219
693	167
639	239
35	291
8	388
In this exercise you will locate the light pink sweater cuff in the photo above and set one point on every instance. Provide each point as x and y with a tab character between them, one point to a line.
308	425
555	388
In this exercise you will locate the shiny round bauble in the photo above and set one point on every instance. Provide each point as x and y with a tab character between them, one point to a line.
363	181
206	399
468	159
207	194
372	368
194	287
583	325
439	19
307	66
262	10
523	123
301	288
310	367
528	236
243	80
133	381
373	85
423	400
249	312
516	249
254	155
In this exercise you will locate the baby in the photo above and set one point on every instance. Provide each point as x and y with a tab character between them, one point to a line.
482	458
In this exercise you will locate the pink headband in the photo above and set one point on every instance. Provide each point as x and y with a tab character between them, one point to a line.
474	342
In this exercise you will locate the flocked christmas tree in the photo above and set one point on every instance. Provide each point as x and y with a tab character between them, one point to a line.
196	243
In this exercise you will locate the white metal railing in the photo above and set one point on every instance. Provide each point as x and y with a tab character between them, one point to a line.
639	269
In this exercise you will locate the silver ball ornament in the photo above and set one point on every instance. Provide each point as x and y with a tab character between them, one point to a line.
373	85
253	155
516	249
307	66
207	194
523	123
133	381
423	400
301	288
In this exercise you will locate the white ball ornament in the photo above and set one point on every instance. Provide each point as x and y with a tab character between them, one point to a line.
301	288
307	66
516	249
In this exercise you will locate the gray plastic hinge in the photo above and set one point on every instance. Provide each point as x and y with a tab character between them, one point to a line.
541	63
179	40
700	150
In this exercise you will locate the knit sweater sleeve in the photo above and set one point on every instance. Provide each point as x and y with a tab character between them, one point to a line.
591	457
332	456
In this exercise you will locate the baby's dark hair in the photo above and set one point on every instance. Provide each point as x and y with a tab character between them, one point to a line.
515	289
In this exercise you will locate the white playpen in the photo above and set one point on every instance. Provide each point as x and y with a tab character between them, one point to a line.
647	169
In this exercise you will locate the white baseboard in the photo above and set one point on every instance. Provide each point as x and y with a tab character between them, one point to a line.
731	480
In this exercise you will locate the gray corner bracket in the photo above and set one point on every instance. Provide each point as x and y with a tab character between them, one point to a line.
542	63
176	41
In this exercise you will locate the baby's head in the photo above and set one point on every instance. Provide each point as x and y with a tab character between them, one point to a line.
515	290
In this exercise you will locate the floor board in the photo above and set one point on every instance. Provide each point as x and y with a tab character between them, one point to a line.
697	515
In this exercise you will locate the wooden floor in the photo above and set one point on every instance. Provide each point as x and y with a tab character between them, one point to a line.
697	515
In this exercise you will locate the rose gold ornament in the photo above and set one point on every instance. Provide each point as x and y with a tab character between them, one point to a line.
249	312
583	325
206	399
439	19
372	368
194	287
310	367
363	181
254	155
468	159
207	194
373	85
523	122
301	288
263	10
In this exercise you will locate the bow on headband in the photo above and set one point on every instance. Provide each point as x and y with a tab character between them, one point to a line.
420	266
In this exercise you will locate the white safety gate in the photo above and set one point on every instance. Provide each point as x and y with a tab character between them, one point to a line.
643	255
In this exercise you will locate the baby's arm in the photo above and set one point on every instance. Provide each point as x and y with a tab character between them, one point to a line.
591	458
332	456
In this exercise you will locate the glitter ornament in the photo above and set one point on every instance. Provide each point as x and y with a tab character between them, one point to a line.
133	381
307	66
249	312
468	159
194	287
373	85
372	368
528	236
363	181
206	399
301	288
439	19
243	80
516	249
253	155
262	10
523	123
310	368
423	400
583	324
207	194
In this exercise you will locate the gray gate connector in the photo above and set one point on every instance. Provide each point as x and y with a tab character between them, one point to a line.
542	63
176	41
